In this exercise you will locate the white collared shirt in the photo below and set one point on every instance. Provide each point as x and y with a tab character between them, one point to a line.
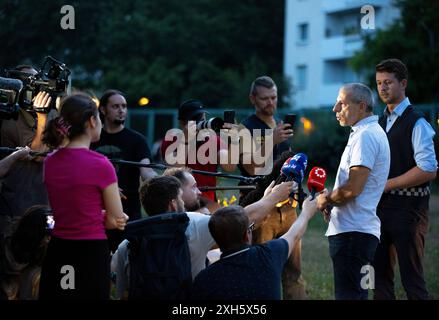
368	147
422	138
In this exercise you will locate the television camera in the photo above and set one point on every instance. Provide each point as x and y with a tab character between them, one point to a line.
18	88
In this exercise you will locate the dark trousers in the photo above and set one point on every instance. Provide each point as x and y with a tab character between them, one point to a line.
350	253
403	231
76	270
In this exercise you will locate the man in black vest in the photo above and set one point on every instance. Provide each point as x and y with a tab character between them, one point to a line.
403	208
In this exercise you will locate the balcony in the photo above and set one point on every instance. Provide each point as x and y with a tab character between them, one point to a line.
340	47
339	6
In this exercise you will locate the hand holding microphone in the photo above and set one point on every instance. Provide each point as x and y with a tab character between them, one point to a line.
282	191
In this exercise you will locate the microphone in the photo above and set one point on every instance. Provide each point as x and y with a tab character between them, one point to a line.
316	181
298	166
284	172
11	84
9	92
294	169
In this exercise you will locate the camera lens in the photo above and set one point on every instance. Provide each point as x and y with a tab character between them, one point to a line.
201	125
215	124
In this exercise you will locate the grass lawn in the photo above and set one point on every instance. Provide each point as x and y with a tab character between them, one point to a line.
317	265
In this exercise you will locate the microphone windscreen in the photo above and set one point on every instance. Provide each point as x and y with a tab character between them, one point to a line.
285	169
316	179
11	84
283	173
298	165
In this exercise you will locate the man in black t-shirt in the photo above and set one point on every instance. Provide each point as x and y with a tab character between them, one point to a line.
118	142
263	96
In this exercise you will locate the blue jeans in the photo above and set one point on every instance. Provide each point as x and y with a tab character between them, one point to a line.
350	252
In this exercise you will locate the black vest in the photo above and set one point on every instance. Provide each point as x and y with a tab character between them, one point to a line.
401	149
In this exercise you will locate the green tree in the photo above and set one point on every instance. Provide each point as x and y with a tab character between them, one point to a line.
413	38
165	50
193	48
31	30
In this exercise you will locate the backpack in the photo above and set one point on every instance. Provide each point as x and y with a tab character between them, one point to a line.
159	257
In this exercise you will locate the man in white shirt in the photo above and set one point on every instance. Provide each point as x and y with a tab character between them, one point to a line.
354	228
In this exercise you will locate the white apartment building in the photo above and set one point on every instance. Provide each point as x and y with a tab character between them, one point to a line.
320	37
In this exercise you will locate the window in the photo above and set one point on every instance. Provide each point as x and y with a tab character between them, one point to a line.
303	32
301	77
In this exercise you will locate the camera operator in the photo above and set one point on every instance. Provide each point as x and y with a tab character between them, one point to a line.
23	185
193	110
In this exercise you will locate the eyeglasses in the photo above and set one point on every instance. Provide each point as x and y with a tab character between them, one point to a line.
251	227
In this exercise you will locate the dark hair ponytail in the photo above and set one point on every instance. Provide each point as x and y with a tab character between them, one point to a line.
75	112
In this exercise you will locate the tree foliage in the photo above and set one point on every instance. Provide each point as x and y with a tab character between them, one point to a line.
414	38
166	50
324	144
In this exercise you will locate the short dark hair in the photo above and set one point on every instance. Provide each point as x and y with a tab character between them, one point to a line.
179	173
157	193
227	227
395	66
107	95
263	81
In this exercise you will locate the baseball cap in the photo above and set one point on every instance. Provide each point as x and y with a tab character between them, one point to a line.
190	109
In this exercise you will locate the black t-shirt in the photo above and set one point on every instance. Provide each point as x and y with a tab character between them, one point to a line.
126	145
253	122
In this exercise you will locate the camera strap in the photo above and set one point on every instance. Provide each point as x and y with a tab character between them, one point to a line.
28	118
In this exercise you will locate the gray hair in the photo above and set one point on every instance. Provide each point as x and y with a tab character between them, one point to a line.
358	92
